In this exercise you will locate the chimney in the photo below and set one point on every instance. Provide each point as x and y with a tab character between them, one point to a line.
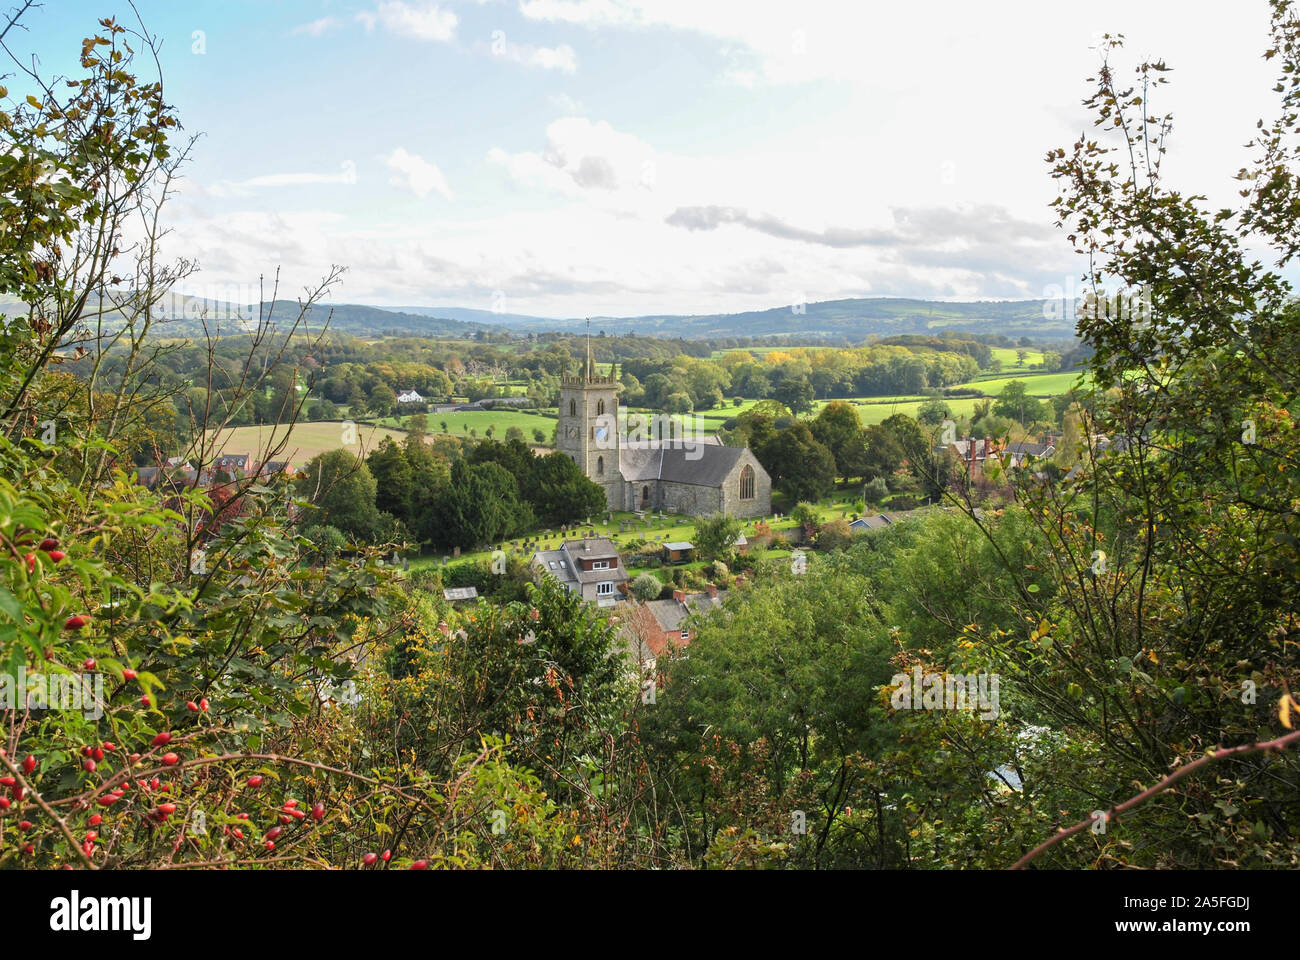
712	589
679	596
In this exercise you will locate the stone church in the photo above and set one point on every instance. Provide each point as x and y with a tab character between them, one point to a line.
646	470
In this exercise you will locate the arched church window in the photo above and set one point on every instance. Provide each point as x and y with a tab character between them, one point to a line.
600	408
747	483
600	465
573	408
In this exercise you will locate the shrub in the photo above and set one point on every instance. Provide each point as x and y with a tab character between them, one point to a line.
647	587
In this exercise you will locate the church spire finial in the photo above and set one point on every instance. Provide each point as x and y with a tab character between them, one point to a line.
590	370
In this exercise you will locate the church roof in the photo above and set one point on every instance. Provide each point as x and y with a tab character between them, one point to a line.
702	464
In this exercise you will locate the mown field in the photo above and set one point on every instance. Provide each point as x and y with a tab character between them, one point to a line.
306	440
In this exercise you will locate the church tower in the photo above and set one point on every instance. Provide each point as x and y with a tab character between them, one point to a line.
588	426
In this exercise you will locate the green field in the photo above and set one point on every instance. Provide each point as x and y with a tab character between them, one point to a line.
460	424
1009	358
1038	385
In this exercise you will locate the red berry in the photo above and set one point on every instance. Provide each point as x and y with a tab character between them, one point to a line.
91	835
369	859
24	825
255	781
4	803
57	555
48	544
88	848
128	674
239	834
95	820
29	849
134	757
75	623
387	855
31	562
270	844
29	764
318	812
170	759
167	808
241	816
17	792
191	705
161	740
420	865
97	753
203	704
290	804
107	800
7	781
298	814
284	818
88	663
274	832
89	764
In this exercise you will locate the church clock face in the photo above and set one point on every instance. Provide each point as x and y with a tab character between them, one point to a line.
602	433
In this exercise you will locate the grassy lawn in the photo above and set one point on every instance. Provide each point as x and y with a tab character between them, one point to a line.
460	424
669	529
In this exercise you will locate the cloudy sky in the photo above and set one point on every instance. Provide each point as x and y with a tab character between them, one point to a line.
621	157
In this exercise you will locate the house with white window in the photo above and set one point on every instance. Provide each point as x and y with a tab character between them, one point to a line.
590	567
409	396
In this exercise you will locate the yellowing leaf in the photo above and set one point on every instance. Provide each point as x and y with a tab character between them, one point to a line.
1284	710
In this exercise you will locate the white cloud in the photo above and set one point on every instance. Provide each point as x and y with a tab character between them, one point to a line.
548	58
316	27
567	105
239	188
581	157
420	20
414	173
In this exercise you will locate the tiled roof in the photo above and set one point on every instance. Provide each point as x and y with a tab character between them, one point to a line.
1028	449
556	563
671	614
702	464
870	523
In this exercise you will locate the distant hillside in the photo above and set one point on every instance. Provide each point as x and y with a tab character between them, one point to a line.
350	318
852	319
183	316
487	317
